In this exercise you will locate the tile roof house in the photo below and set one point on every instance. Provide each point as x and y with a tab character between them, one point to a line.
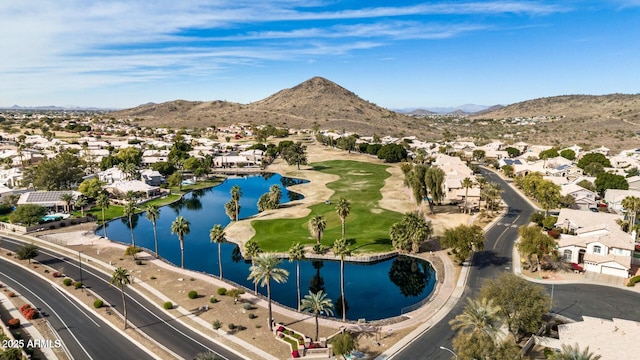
121	188
585	199
596	241
614	198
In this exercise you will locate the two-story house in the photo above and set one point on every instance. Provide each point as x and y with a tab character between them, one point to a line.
585	199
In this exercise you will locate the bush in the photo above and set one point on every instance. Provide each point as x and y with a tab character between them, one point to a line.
57	274
98	303
168	305
139	262
213	300
235	292
192	294
11	294
555	234
222	291
77	284
153	277
231	326
67	282
247	306
537	218
634	280
217	324
252	316
13	323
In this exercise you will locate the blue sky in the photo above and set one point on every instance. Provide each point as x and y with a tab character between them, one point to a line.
397	54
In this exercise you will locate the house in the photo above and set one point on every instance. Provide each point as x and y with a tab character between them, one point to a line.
634	182
585	199
121	188
455	171
614	198
51	200
152	177
596	241
112	175
11	177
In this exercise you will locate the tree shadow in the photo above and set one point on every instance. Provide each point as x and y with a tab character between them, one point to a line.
485	259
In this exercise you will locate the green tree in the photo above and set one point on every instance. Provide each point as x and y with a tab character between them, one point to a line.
236	194
548	194
591	158
175	180
295	154
28	214
231	210
463	239
266	268
508	170
153	214
587	185
606	181
466	184
27	252
512	152
102	200
217	236
252	249
68	200
480	317
317	303
275	195
317	225
548	154
81	202
478	155
343	208
129	212
392	153
181	227
631	205
594	169
533	242
62	172
343	343
121	279
129	155
416	180
164	168
482	184
568	154
492	193
570	352
434	179
409	233
296	253
341	249
521	302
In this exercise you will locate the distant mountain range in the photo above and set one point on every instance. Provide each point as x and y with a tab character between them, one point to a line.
55	108
462	109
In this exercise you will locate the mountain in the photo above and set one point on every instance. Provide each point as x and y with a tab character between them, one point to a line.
316	101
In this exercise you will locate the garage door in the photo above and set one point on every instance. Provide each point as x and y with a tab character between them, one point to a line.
614	271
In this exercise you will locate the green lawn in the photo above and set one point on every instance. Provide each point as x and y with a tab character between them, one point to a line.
367	226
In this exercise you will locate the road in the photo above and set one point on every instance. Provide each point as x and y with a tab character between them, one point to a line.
85	335
572	301
154	322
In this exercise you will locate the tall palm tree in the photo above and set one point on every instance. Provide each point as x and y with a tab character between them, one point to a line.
479	317
103	201
343	209
341	248
121	278
317	303
263	271
181	227
275	194
236	194
482	183
252	249
317	225
631	204
466	184
81	203
129	211
68	199
573	353
296	253
153	213
217	235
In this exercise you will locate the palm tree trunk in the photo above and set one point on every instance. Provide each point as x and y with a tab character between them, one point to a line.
133	239
342	228
104	225
298	281
124	305
220	261
155	239
344	310
317	326
466	198
182	253
255	283
269	299
237	211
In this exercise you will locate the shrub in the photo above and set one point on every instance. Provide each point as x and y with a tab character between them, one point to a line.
213	300
231	326
247	306
252	316
67	282
235	292
553	233
168	305
258	326
192	294
11	294
634	280
98	303
57	274
139	262
153	277
77	284
13	323
217	324
222	291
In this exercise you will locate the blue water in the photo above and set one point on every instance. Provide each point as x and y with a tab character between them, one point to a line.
373	291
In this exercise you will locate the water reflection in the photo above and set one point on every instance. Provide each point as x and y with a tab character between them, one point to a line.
317	282
410	275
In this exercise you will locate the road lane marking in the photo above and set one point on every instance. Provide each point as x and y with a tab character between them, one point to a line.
507	227
73	303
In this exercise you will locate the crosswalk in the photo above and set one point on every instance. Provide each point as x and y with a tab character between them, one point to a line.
506	224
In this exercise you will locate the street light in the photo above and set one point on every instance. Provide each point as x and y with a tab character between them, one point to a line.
449	350
80	261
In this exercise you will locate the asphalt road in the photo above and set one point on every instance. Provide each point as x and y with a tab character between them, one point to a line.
85	335
173	335
572	301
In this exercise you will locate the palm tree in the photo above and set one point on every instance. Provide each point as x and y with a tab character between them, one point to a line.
482	182
265	269
317	225
479	317
68	199
103	201
466	184
252	249
317	303
343	209
573	353
129	211
275	194
120	278
341	248
296	253
81	203
217	236
153	213
631	204
236	194
181	227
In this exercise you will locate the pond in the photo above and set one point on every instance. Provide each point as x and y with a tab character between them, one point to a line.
373	290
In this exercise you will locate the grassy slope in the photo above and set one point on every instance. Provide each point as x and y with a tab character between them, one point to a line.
367	226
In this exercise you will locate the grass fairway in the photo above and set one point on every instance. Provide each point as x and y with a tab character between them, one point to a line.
367	226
